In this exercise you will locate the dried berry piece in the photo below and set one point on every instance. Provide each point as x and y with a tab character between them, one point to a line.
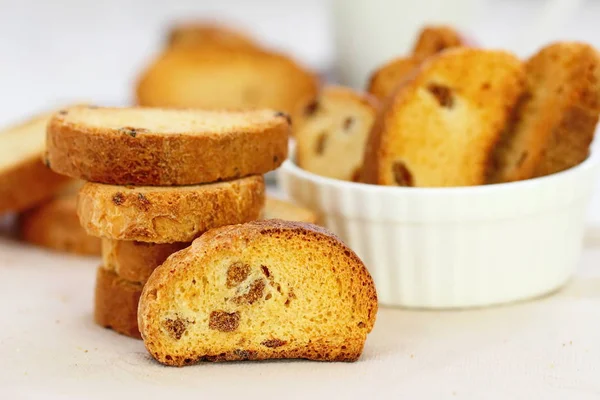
442	93
118	199
402	175
284	115
254	293
143	202
224	321
522	159
321	143
311	108
176	327
244	354
348	122
272	343
133	132
237	273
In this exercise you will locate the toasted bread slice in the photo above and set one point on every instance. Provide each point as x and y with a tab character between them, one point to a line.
168	214
281	209
436	38
221	78
331	131
432	40
441	127
386	79
261	290
145	146
54	225
116	303
135	261
24	179
555	123
192	34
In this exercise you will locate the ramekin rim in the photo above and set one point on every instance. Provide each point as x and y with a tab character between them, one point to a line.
593	160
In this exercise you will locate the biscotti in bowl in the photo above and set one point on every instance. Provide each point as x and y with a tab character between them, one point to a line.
475	175
456	247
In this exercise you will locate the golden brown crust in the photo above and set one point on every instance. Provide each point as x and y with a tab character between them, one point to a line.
55	225
242	325
436	38
165	214
384	81
216	77
191	34
440	128
135	261
116	303
331	131
431	41
281	209
136	155
555	123
27	184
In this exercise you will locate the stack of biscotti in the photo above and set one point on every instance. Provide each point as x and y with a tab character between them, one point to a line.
156	180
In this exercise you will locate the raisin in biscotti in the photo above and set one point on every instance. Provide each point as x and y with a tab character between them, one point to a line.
281	209
135	261
192	34
215	77
261	290
555	123
168	214
116	303
331	131
24	179
441	127
431	41
146	146
55	225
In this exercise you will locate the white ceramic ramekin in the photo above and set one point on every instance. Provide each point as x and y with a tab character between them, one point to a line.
456	247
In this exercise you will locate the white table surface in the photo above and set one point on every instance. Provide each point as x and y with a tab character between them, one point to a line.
51	349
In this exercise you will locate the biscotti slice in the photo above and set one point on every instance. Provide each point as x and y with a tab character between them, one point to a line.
146	146
168	214
281	209
385	80
216	77
555	123
116	303
261	290
432	40
441	127
24	179
54	225
331	131
135	261
192	34
436	38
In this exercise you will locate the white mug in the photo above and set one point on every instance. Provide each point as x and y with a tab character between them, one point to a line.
367	33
